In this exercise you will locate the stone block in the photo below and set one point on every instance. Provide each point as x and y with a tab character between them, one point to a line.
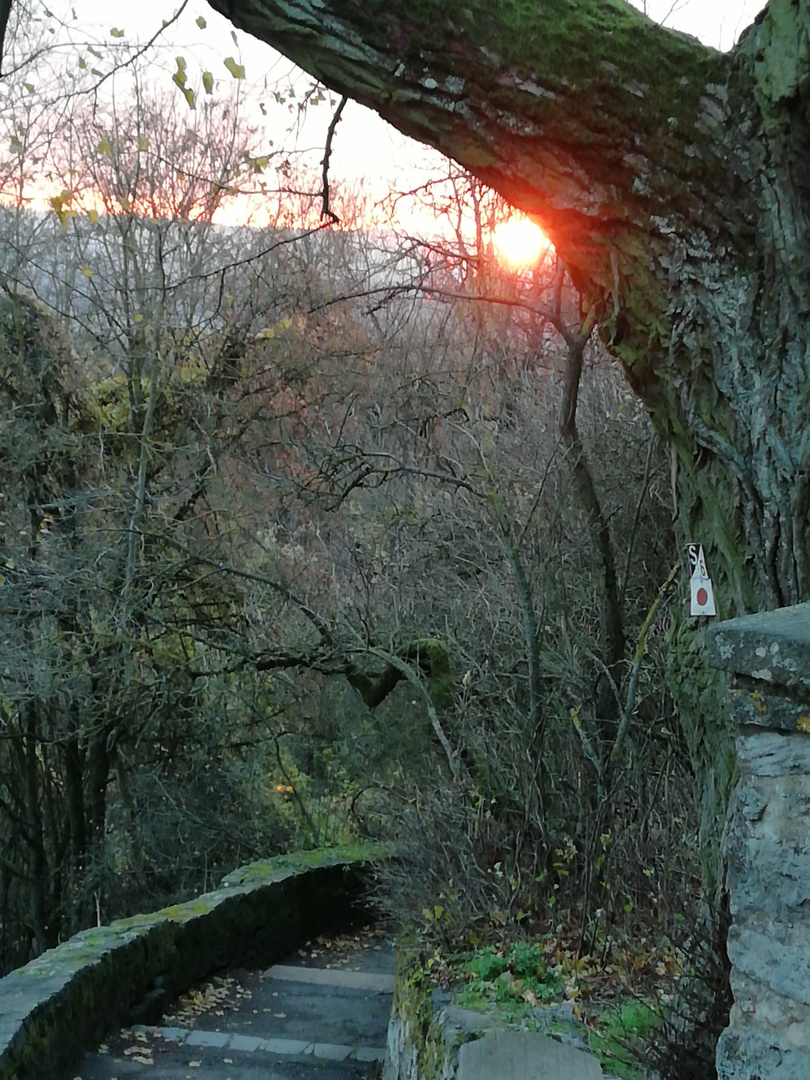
746	1055
767	846
216	1039
772	954
753	706
773	753
521	1055
770	646
775	1018
246	1044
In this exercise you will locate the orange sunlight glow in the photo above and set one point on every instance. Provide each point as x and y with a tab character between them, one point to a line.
519	242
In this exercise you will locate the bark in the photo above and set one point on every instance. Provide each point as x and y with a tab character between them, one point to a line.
674	182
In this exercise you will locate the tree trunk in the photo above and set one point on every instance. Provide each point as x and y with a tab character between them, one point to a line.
674	182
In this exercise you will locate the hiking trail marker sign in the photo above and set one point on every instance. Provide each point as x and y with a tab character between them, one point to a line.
701	585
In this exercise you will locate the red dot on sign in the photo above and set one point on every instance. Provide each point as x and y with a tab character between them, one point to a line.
702	597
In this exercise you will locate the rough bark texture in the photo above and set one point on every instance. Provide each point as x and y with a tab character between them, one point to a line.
674	182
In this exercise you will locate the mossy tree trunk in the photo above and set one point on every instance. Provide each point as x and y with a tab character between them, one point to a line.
674	182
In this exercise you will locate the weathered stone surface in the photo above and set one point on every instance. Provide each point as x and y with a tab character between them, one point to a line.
767	845
746	1055
770	1013
776	955
768	1037
774	753
750	706
771	646
517	1055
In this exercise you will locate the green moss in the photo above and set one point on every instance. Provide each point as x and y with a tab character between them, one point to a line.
281	866
193	908
433	655
559	35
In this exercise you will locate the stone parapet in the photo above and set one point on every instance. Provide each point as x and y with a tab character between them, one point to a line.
68	998
766	846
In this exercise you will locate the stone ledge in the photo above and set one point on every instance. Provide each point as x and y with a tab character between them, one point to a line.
66	999
772	647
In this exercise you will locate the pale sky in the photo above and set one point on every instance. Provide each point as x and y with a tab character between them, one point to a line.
366	147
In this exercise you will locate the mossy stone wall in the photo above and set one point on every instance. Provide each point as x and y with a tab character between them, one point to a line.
66	999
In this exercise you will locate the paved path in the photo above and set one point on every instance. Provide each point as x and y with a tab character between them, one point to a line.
322	1014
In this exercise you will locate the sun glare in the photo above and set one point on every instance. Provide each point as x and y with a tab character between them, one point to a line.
519	241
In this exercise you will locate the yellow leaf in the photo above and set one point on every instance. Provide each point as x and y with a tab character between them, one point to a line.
104	147
139	317
92	216
208	82
179	78
143	143
201	22
190	96
87	271
59	204
115	32
237	70
82	63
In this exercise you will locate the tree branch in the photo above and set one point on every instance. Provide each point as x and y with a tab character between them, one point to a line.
564	106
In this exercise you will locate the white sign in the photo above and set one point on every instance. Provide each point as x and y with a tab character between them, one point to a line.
701	585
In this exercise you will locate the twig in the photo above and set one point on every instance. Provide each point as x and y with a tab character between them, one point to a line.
326	211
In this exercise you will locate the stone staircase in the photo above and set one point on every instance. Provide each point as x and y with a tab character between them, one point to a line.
323	1013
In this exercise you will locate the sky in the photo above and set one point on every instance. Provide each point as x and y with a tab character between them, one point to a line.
366	147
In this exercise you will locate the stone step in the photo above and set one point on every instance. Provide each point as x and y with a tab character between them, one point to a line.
250	1044
322	1013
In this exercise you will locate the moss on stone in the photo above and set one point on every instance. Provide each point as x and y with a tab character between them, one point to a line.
66	998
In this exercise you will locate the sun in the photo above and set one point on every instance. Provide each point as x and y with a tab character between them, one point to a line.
519	242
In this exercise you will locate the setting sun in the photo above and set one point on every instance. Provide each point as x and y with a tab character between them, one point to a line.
519	241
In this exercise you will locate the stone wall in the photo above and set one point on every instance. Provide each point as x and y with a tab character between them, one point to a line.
68	998
426	1032
767	844
432	1038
